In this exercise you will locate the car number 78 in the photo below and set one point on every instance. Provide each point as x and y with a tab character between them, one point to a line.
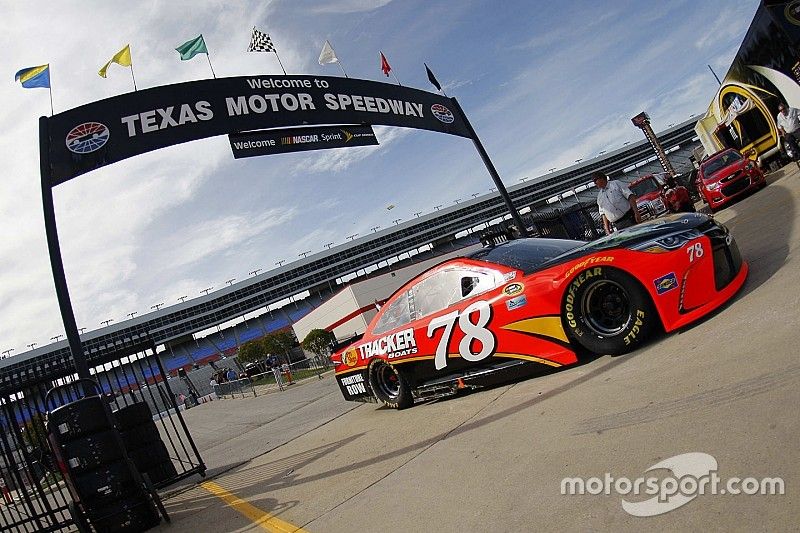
477	331
695	251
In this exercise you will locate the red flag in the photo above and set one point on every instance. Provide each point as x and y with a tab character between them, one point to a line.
385	67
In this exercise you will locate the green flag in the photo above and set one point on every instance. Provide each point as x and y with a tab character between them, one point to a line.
189	49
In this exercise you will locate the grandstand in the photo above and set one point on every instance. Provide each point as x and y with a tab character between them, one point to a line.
324	273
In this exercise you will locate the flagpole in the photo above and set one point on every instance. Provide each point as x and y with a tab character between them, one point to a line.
341	67
208	56
395	79
133	78
50	90
281	63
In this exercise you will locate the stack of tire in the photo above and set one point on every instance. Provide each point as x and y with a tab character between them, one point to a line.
143	442
101	477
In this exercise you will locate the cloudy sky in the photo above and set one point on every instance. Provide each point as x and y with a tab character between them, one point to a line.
544	83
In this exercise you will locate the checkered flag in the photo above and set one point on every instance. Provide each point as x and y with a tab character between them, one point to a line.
260	42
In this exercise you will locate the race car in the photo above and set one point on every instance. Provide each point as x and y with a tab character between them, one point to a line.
539	303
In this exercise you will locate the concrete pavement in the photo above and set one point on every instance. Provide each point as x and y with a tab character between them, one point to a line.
493	460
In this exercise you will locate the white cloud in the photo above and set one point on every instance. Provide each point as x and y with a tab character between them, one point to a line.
349	6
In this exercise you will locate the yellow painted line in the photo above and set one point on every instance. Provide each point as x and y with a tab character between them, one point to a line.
258	517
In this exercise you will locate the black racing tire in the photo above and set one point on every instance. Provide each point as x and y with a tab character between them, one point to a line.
389	385
133	415
606	311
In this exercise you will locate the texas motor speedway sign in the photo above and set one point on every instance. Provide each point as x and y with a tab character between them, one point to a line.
107	131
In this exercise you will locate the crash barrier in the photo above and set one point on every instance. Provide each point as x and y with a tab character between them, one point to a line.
280	377
35	497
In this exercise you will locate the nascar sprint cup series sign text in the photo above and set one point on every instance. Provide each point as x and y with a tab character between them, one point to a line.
107	131
255	143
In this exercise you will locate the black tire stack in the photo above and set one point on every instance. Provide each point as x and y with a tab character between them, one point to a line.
101	477
143	442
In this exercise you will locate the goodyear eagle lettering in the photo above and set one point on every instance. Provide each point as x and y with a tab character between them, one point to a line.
395	345
573	287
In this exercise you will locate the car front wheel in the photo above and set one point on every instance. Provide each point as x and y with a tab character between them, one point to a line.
607	311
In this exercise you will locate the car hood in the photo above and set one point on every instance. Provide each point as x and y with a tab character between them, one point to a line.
640	233
724	172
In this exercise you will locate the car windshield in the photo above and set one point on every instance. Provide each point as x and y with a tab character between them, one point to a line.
645	187
527	255
719	162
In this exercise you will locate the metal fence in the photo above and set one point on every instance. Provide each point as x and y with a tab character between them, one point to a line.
33	495
278	378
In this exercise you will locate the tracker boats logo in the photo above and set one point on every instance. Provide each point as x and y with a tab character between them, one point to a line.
442	113
87	137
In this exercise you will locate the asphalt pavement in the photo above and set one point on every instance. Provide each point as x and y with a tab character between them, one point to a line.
723	394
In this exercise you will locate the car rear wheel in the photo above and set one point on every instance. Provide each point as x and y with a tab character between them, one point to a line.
389	385
607	311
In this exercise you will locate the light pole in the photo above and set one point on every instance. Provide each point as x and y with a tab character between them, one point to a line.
492	189
578	160
417	214
280	263
526	178
31	345
304	254
55	338
397	221
475	194
206	291
457	201
328	245
375	229
182	298
157	306
353	236
132	314
437	207
254	272
551	169
81	330
107	322
6	353
230	281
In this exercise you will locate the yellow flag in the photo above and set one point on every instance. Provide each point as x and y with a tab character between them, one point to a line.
123	57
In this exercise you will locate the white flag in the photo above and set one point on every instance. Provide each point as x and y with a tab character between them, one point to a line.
327	55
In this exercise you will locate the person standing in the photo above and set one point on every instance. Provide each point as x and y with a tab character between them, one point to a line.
788	120
616	202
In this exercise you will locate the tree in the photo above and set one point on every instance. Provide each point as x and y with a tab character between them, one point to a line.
318	341
252	351
279	342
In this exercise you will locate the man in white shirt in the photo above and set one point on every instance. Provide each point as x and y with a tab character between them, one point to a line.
616	202
788	120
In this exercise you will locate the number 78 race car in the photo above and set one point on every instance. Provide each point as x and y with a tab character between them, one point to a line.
531	303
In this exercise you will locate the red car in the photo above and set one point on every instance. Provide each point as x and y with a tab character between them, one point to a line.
536	303
727	175
659	194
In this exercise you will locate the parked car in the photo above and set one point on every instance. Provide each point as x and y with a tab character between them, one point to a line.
526	304
727	175
657	194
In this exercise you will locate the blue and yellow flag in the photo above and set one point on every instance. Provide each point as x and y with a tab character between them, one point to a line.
31	77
